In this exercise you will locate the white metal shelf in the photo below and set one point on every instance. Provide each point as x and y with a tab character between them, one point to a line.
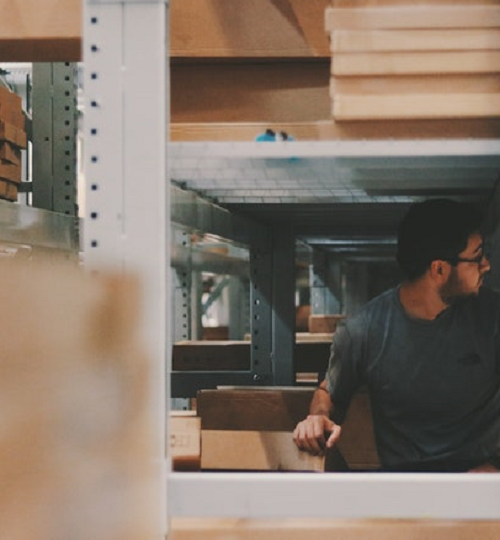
334	171
34	227
340	148
454	496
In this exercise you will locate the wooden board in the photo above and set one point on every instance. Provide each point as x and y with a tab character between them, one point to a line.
415	106
328	130
411	3
271	92
331	529
416	84
248	29
413	63
413	16
395	61
36	31
415	40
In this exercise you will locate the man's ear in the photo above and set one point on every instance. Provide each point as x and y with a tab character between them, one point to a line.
439	270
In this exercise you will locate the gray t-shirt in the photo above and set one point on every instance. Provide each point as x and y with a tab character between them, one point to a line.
434	385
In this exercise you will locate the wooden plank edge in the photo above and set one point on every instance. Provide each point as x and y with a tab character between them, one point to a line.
418	16
330	130
415	106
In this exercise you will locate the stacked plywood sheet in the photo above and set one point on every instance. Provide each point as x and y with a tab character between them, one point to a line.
12	140
404	60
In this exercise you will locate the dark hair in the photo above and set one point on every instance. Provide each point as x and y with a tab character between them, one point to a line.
434	229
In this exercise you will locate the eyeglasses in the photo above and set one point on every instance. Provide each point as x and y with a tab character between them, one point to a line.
476	260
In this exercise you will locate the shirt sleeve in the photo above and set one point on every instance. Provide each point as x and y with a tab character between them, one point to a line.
343	376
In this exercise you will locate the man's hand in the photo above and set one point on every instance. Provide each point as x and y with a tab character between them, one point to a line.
484	468
316	433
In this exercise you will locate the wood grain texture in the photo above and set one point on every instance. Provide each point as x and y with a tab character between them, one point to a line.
413	16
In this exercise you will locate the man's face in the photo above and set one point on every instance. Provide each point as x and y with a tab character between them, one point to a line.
467	273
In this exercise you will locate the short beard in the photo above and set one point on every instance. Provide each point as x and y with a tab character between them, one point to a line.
452	292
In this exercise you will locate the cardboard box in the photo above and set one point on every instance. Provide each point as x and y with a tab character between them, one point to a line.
8	190
255	451
10	171
184	446
12	134
260	410
11	108
253	409
9	153
320	324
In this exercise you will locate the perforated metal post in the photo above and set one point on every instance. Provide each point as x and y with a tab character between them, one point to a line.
54	137
181	290
127	201
261	268
182	298
239	307
283	313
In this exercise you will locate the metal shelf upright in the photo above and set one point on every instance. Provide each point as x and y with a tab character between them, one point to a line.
125	162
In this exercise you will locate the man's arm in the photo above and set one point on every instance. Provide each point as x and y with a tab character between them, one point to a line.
318	432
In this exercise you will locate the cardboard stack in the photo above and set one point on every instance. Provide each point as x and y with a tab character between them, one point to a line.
400	60
12	140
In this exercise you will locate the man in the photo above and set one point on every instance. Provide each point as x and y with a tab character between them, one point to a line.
428	352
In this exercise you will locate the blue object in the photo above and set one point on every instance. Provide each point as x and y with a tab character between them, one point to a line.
272	136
